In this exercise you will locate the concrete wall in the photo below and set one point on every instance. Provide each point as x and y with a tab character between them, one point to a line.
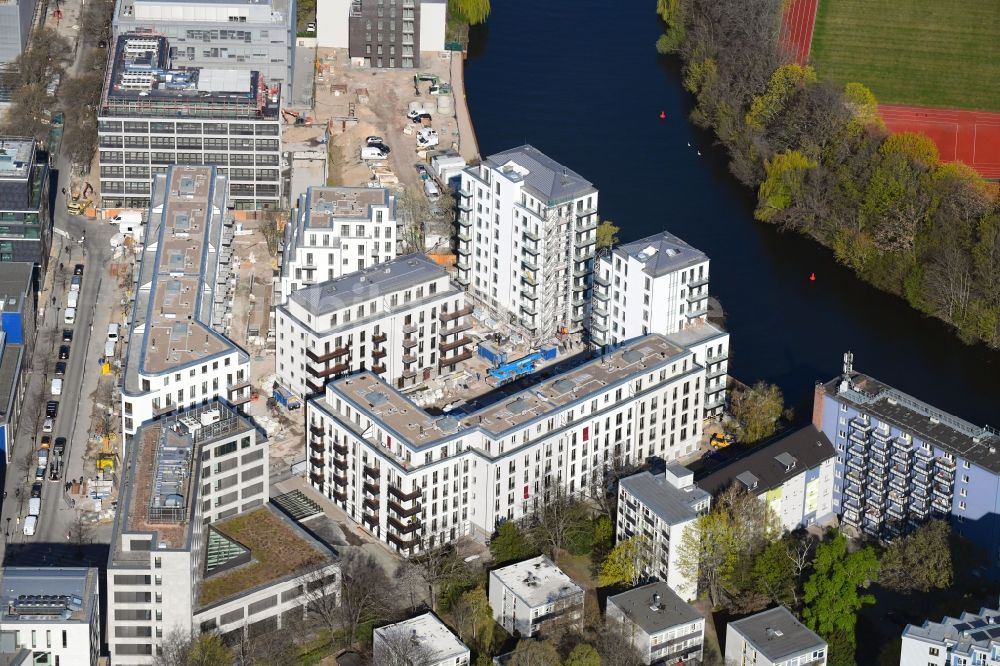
433	18
332	24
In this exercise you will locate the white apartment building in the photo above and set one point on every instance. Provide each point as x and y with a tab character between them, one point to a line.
793	475
178	356
336	231
527	229
531	596
658	624
154	114
415	479
404	320
423	639
53	614
660	509
659	284
773	638
972	638
194	546
258	36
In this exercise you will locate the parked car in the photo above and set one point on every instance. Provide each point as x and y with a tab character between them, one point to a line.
47	424
57	386
36	490
373	140
29	525
60	368
78	269
419	116
46	442
422	171
380	147
311	27
67	335
63	352
52	408
72	299
69	317
59	445
75	282
373	153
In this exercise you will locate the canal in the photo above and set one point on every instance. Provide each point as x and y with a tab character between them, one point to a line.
581	81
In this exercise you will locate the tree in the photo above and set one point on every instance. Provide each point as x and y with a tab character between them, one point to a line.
831	595
583	655
395	646
614	648
622	564
435	568
179	648
474	620
864	108
269	229
555	519
80	534
510	544
533	652
786	173
774	571
607	235
921	561
473	11
365	592
756	411
323	605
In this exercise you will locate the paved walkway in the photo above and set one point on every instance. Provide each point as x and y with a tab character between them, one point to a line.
468	147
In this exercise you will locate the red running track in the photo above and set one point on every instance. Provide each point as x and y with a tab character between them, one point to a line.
797	29
970	136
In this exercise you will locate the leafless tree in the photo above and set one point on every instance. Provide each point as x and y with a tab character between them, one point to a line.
323	605
269	230
254	647
949	282
365	592
434	567
80	533
180	648
555	517
397	646
614	648
412	212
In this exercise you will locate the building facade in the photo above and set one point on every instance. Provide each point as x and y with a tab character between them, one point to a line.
534	597
52	613
194	495
154	114
661	509
403	320
414	479
773	638
390	33
178	356
16	18
433	641
658	624
972	638
527	229
793	475
18	323
336	231
257	36
25	214
901	461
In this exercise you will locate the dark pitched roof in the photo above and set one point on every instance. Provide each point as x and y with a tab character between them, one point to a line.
771	465
554	182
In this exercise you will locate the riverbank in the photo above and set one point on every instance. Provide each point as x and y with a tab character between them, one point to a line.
468	147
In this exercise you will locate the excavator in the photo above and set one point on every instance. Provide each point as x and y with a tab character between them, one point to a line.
436	87
296	117
106	458
77	202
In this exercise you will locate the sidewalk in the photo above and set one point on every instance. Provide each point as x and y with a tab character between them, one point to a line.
468	147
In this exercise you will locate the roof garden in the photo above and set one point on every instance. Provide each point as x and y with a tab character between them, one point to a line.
277	549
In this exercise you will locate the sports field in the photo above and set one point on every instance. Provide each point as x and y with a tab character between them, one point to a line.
943	53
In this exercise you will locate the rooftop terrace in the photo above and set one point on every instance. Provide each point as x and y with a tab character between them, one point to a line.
325	207
414	426
184	267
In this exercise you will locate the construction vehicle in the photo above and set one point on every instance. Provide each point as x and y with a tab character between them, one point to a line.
720	440
506	373
78	202
297	118
436	87
106	458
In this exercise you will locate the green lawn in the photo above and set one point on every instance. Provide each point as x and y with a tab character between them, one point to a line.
929	52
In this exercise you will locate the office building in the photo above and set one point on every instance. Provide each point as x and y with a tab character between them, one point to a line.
773	638
901	461
196	547
16	19
253	36
154	113
384	33
527	229
971	638
52	614
416	479
659	284
17	340
177	355
423	639
403	320
658	624
534	597
793	475
26	229
661	508
336	231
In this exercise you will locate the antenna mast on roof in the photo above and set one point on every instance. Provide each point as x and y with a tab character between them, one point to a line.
848	370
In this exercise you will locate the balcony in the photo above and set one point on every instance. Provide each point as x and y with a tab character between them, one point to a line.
370	520
378	369
339	495
370	488
455	344
856	464
340	464
314	385
458	328
240	383
404	528
854	490
401	543
530	263
409	343
529	309
316	477
370	472
941	490
323	357
404	497
316	429
317	447
379	338
409	358
408	329
857	437
339	448
408	373
165	409
452	360
378	353
400	511
860	424
899	485
699	282
332	370
316	461
339	479
371	503
449	316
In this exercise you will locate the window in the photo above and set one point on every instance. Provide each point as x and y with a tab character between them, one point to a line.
933	651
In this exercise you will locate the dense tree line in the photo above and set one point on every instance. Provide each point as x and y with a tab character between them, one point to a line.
824	165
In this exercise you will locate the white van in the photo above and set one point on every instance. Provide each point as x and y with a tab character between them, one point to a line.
29	525
70	316
431	190
56	386
74	296
113	332
34	506
109	349
128	217
371	153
